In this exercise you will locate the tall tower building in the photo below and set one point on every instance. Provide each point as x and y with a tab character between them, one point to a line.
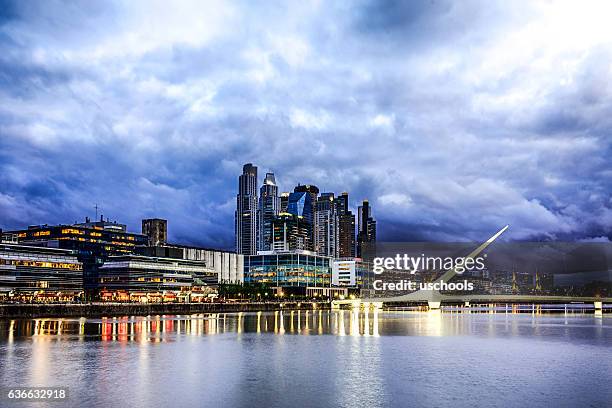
246	211
300	204
156	230
313	192
284	201
326	226
366	227
291	232
346	228
343	203
269	206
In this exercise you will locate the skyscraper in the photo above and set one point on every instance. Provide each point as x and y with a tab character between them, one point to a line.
284	201
326	226
346	228
300	204
313	192
156	230
269	205
246	211
291	232
366	226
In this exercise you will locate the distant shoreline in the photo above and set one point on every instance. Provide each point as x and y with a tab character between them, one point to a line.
59	310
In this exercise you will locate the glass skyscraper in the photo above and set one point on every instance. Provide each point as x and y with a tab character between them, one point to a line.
300	204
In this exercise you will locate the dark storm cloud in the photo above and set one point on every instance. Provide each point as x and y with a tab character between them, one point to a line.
453	119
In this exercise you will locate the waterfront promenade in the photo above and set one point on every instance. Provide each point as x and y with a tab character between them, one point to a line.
143	309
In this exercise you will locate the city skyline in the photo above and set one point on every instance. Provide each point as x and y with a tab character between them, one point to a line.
451	119
305	219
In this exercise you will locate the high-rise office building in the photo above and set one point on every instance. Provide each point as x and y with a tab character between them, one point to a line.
291	232
366	226
313	192
301	204
326	226
342	202
156	230
284	202
269	206
346	228
246	211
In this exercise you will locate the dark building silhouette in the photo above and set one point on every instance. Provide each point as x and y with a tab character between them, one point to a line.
246	211
366	226
346	228
156	229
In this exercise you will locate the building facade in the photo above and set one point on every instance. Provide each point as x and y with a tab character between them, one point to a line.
366	228
269	207
87	239
246	211
284	202
346	228
156	229
301	204
293	269
35	274
326	226
228	266
351	272
139	278
291	232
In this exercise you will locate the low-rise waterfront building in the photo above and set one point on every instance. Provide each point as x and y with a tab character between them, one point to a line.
152	279
352	272
34	274
300	273
228	265
87	239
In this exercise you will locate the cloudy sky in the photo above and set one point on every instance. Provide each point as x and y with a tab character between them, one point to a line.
452	118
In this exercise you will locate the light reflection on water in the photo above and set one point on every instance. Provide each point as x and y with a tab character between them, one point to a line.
316	358
292	322
169	327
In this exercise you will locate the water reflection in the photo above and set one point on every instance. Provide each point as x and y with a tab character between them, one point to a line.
354	323
315	358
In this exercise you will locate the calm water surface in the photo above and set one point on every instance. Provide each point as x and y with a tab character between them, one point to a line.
315	359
